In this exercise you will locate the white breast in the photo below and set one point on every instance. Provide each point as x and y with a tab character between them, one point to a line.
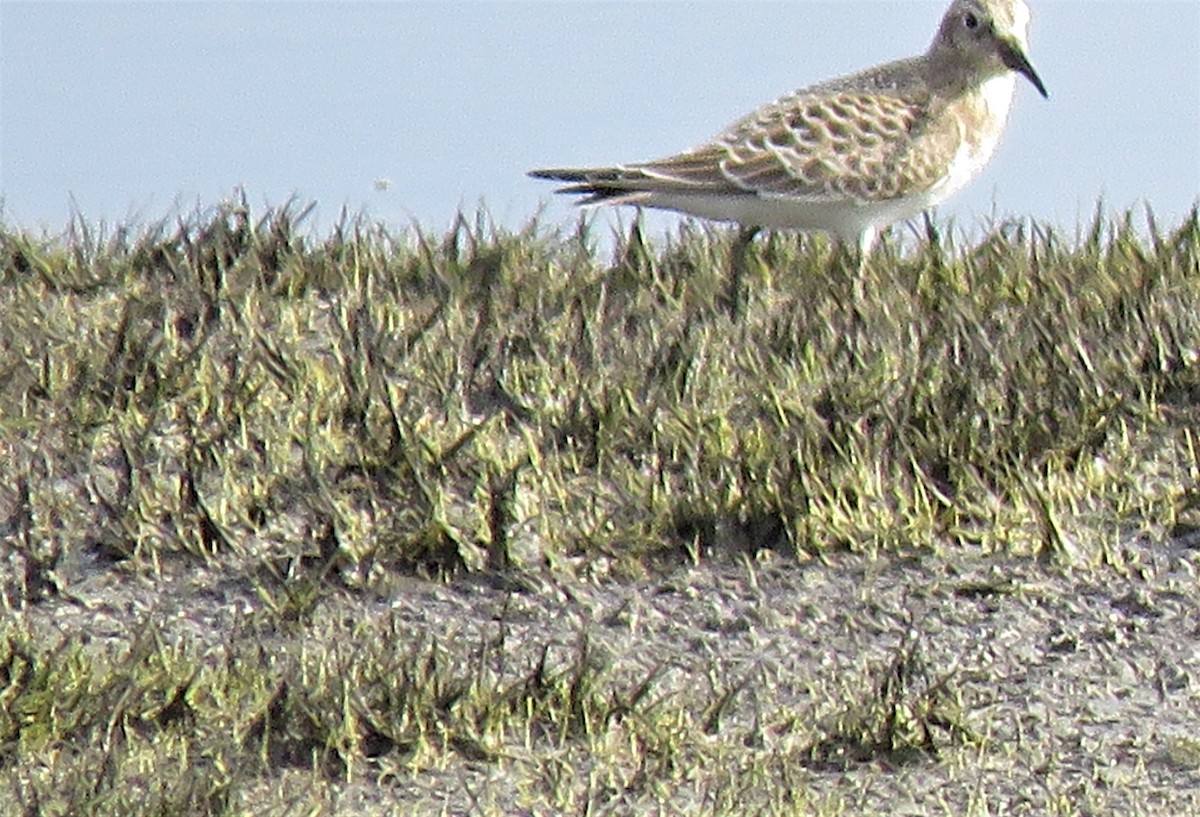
978	140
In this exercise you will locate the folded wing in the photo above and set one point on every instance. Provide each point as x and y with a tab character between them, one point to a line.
847	146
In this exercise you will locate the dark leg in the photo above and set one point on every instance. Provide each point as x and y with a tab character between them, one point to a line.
739	264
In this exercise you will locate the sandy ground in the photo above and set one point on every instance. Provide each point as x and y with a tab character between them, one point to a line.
1081	687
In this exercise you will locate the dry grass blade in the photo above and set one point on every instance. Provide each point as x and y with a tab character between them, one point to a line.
300	436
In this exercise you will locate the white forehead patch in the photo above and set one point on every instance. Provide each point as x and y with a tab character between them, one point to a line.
1020	15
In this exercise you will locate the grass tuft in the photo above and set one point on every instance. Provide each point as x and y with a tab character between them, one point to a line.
277	425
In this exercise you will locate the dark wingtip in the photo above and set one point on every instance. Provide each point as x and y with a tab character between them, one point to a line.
561	174
595	185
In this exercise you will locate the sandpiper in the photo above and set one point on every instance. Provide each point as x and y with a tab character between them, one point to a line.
851	155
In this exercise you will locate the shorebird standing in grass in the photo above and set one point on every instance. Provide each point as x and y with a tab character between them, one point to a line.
847	156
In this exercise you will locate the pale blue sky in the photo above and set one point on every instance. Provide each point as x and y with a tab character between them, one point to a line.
130	108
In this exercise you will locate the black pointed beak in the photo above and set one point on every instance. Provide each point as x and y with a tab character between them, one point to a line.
1015	58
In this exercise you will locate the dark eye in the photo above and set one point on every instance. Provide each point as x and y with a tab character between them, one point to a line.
971	21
